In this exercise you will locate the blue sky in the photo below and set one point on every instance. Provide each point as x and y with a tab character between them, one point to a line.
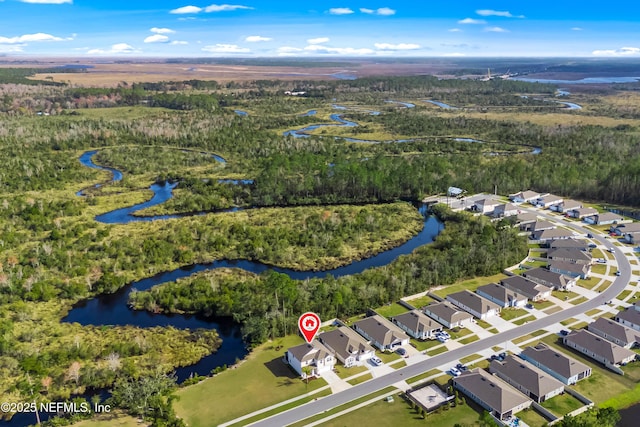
366	28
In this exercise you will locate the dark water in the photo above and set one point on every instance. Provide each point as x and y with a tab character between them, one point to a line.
630	416
587	80
441	104
309	113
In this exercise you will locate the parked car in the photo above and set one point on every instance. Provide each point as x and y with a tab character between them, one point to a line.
375	360
589	235
564	333
455	372
601	261
610	250
529	306
461	367
618	273
593	245
502	356
401	351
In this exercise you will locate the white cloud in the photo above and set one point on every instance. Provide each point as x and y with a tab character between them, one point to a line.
11	48
383	11
224	7
472	21
623	51
318	40
186	9
502	13
116	49
576	29
496	30
455	30
156	38
288	49
399	46
340	11
254	39
47	1
26	38
454	54
179	42
162	30
338	50
225	48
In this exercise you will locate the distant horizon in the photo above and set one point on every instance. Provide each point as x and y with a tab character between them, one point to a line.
326	28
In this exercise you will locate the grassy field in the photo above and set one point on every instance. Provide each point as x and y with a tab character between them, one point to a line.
564	295
599	268
469	339
532	417
553	310
579	300
391	310
589	283
541	305
111	420
360	379
470	358
483	324
424	345
260	381
593	312
512	313
421	301
524	320
529	336
562	404
422	376
436	351
343	372
471	284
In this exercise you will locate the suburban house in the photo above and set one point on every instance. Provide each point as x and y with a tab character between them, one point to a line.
486	206
580	244
547	201
582	212
621	229
632	237
417	324
548	278
615	332
315	356
528	379
609	218
383	334
629	317
532	290
553	234
447	314
505	209
598	348
349	347
537	226
573	255
524	196
562	367
473	303
502	296
492	393
570	269
566	205
526	217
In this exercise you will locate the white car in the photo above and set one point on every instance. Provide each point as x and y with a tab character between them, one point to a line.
375	360
455	372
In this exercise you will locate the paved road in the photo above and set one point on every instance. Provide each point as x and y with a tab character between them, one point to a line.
371	386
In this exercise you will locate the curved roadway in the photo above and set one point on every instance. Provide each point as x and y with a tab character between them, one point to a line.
329	402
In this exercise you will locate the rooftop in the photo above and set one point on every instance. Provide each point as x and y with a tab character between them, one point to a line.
599	346
491	390
557	362
526	375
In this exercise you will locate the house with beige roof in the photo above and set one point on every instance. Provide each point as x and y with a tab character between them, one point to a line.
550	279
349	347
486	206
562	367
315	356
570	269
548	200
505	210
492	393
538	225
580	244
447	314
572	255
581	213
566	205
529	380
381	333
532	290
629	317
473	303
609	354
417	324
610	218
615	332
502	296
524	196
552	234
622	229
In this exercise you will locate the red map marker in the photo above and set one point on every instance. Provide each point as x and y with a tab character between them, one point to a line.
309	323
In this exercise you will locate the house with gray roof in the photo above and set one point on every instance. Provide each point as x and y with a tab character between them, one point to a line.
621	229
562	367
570	269
486	206
505	210
532	290
615	332
524	196
348	346
417	324
580	244
548	200
526	217
529	380
315	356
629	317
492	393
582	212
473	303
609	218
572	255
566	205
609	354
538	225
550	279
502	296
381	333
552	234
632	237
447	314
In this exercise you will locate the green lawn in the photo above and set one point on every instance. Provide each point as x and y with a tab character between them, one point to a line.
529	336
391	310
552	310
260	381
605	285
421	301
387	357
343	372
589	283
456	333
360	379
579	300
532	417
568	321
483	324
564	295
438	350
493	330
512	313
534	264
593	312
424	345
541	305
562	404
597	253
400	413
471	284
469	339
424	375
470	358
524	320
111	420
579	325
599	268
